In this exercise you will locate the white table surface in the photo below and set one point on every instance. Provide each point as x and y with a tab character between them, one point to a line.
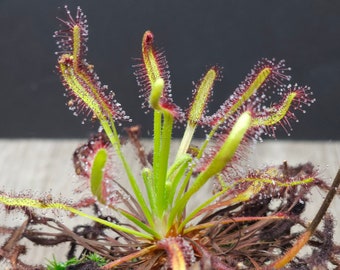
41	166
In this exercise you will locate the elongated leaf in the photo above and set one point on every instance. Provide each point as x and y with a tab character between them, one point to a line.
97	174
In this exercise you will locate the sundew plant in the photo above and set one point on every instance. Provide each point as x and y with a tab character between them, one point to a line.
238	226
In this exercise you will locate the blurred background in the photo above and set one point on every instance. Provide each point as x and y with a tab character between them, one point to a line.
234	34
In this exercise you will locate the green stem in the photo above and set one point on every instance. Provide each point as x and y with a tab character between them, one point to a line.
184	185
219	161
27	202
174	177
199	208
157	130
181	202
186	140
147	178
164	159
139	223
114	139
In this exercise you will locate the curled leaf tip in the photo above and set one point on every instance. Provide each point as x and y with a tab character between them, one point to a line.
153	67
156	93
252	91
295	98
85	92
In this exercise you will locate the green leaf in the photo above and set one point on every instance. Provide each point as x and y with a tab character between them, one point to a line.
97	174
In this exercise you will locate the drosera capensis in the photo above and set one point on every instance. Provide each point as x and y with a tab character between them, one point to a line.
236	227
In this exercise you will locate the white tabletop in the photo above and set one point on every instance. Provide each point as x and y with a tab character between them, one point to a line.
44	166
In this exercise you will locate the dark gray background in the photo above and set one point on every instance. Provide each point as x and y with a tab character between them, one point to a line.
195	34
